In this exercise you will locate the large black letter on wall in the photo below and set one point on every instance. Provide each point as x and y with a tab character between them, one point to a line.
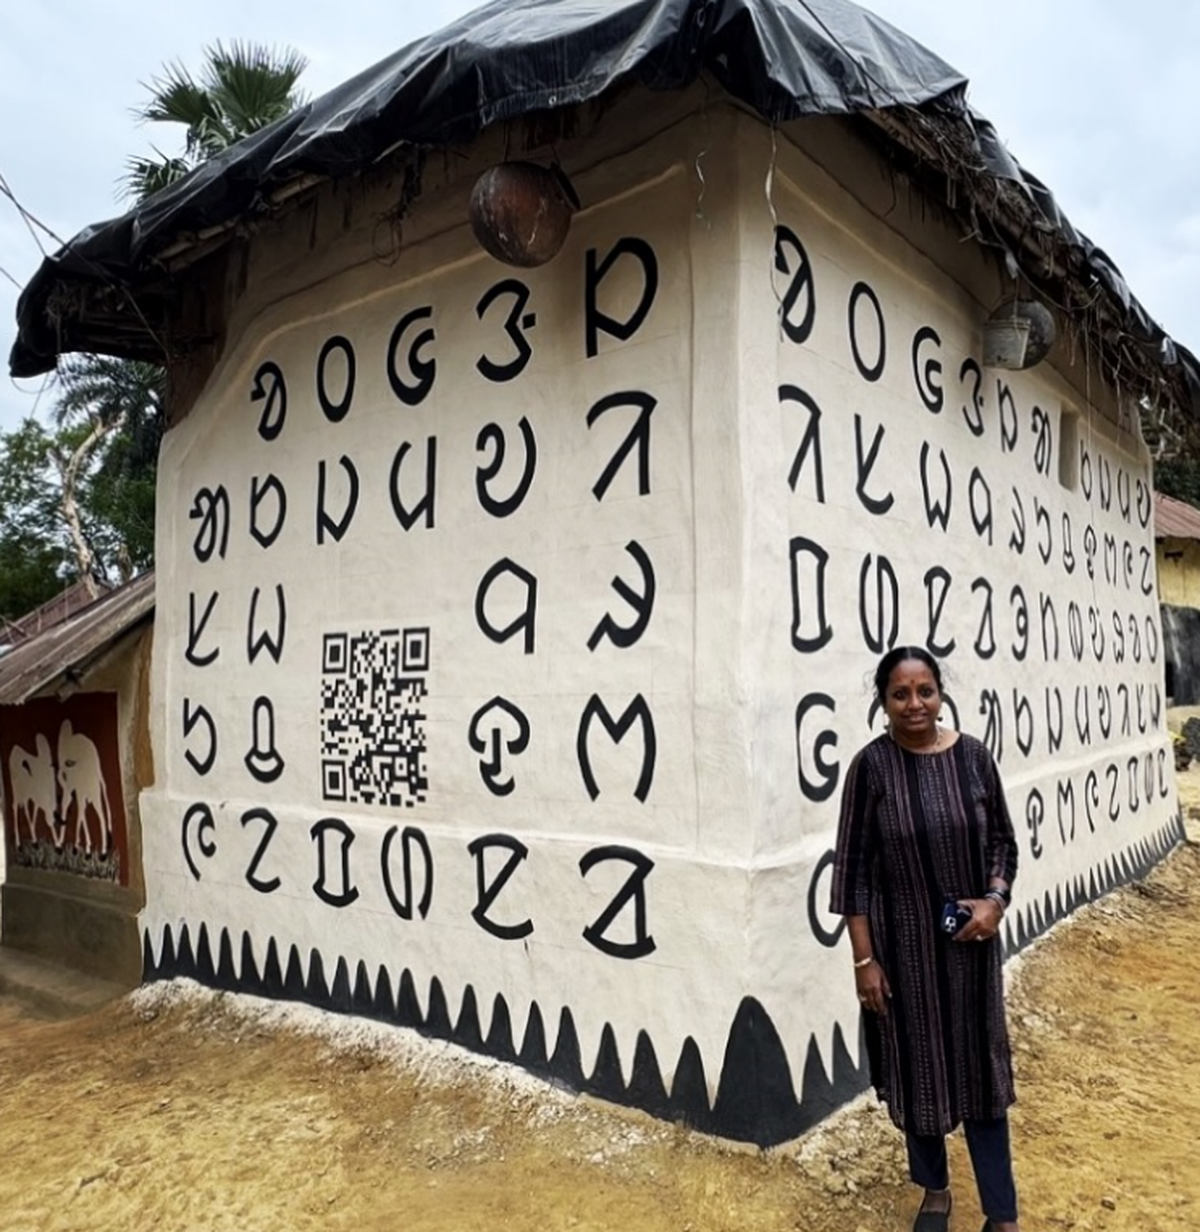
596	321
637	709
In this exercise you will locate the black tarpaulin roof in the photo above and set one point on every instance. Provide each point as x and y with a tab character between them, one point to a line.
783	58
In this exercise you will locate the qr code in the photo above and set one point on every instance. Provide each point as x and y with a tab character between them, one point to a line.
373	717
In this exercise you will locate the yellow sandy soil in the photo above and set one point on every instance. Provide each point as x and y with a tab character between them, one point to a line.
194	1114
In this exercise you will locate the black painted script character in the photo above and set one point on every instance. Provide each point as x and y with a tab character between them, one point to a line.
515	325
985	639
193	717
197	622
1041	519
264	885
624	636
810	442
1066	811
993	716
1068	553
937	589
486	892
342	892
200	816
262	531
638	438
336	528
597	322
1054	719
792	261
426	506
263	759
334	403
1043	440
507	729
423	370
823	783
1016	541
1009	423
272	643
810	629
270	389
637	711
1020	606
525	619
410	838
937	509
878	613
493	435
632	890
973	408
1035	816
211	509
865	463
981	505
868	371
928	377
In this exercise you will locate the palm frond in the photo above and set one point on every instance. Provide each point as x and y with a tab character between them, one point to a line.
243	87
145	176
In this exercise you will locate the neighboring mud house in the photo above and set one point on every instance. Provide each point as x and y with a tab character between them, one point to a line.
514	621
1177	551
74	756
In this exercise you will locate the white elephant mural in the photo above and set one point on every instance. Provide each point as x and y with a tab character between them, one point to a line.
82	782
34	790
64	805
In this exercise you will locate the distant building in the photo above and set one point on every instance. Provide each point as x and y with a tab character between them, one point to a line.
74	757
1177	549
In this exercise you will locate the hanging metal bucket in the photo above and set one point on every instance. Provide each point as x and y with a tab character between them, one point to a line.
1005	342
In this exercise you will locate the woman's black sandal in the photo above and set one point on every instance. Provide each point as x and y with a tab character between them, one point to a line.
934	1221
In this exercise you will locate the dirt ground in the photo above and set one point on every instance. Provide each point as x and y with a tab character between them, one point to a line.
190	1111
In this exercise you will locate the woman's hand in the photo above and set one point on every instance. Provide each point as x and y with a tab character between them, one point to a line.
984	923
873	987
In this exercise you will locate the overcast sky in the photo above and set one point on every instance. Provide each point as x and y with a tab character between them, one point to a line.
1092	96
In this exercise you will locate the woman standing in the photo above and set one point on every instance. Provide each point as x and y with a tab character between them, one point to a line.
925	830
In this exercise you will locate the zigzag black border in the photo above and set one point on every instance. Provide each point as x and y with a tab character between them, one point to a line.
756	1098
755	1102
1118	870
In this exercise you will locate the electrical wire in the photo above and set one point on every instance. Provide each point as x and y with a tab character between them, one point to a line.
31	221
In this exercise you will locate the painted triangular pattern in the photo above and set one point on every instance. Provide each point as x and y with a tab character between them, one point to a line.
499	1042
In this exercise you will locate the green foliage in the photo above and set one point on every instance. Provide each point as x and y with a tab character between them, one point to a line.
241	88
1179	477
35	558
124	399
77	495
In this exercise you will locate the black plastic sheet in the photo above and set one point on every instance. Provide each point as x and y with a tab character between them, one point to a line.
783	58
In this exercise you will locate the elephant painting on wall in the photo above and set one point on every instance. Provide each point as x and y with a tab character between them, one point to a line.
64	807
83	790
34	799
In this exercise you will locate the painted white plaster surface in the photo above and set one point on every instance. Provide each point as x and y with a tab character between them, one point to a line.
702	863
987	515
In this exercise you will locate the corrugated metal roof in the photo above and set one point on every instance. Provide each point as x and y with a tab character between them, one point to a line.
1175	519
67	650
53	612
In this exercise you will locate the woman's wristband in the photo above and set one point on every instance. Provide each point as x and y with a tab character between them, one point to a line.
998	896
859	963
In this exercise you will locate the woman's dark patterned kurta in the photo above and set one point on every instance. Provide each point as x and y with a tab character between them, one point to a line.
917	829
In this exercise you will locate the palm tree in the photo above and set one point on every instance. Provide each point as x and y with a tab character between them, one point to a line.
241	88
96	468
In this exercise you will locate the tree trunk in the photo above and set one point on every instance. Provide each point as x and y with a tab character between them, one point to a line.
69	470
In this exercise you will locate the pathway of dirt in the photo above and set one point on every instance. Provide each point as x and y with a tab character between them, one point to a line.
189	1113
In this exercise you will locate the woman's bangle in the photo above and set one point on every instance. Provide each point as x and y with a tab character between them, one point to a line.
864	962
998	896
